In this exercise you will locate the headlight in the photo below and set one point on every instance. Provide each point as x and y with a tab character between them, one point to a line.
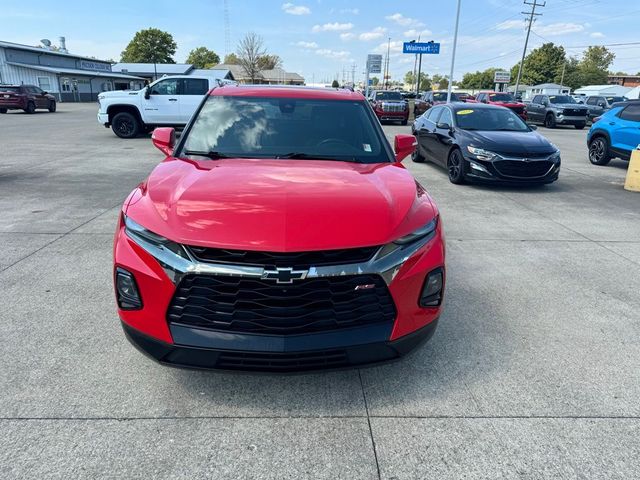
419	233
480	153
138	232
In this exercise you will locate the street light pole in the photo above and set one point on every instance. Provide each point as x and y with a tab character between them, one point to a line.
453	53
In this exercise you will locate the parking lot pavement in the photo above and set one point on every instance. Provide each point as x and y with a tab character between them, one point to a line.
533	372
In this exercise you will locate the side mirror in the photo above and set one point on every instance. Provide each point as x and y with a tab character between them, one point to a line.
443	126
545	103
602	104
44	93
404	145
164	139
147	92
484	100
532	127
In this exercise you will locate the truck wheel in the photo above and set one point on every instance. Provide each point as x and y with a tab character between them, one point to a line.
599	151
31	107
125	125
580	126
550	120
52	106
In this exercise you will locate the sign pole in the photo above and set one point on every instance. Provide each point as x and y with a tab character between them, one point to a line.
453	54
366	88
418	78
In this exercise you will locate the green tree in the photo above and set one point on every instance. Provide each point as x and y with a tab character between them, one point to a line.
541	65
335	84
269	62
150	46
375	81
425	81
232	59
202	57
479	80
249	51
409	78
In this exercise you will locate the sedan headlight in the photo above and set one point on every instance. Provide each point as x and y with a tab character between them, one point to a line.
480	153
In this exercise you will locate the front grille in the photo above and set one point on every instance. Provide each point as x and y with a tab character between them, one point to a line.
522	169
241	304
286	259
283	362
392	107
574	112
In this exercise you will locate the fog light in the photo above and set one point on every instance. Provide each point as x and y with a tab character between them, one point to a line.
432	290
127	291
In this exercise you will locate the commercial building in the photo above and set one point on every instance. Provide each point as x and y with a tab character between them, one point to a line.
153	71
603	90
276	76
68	77
546	89
624	80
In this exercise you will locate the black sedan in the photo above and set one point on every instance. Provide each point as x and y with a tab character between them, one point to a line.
484	143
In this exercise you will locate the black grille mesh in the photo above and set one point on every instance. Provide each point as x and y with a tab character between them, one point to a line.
521	169
241	304
283	362
284	259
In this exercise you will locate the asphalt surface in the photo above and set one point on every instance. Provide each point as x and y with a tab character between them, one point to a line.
534	371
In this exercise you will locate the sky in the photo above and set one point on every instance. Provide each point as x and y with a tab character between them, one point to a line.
321	39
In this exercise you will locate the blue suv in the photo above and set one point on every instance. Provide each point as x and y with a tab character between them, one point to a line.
616	134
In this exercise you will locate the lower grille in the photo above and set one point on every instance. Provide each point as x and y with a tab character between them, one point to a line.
283	362
574	112
241	304
522	169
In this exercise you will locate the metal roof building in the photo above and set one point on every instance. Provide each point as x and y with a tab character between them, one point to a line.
68	77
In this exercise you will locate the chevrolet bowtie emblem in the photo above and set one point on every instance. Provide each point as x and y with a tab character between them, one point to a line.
284	275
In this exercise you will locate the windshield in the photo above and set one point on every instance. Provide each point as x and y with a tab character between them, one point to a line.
490	119
561	99
389	96
442	97
9	89
255	127
501	97
616	99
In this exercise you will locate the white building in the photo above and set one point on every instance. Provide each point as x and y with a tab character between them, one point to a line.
546	89
68	77
603	90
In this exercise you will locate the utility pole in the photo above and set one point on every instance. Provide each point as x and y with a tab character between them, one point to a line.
453	53
564	66
531	14
386	69
353	75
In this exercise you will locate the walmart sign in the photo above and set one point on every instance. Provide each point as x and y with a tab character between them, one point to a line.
414	47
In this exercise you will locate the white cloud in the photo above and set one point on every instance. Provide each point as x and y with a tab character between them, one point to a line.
347	36
374	34
335	54
404	21
332	27
354	11
292	9
307	44
395	47
597	35
559	29
413	33
510	24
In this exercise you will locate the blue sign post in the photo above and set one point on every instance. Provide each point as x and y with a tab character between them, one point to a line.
417	48
420	48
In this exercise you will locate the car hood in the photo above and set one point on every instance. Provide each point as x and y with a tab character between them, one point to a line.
280	205
118	93
508	104
513	143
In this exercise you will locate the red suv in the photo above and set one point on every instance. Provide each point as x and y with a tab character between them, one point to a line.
390	106
280	233
503	99
25	97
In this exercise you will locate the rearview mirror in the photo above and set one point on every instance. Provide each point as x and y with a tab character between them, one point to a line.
404	145
164	139
147	92
443	126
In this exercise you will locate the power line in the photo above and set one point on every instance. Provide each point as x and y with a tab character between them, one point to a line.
531	14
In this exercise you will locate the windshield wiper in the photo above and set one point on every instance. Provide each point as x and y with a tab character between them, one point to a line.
212	154
308	156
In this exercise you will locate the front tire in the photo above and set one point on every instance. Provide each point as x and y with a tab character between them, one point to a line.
125	125
550	121
580	126
599	151
3	110
455	167
52	106
31	108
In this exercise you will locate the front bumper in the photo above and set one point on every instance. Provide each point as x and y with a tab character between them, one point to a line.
570	120
486	172
392	116
103	119
178	344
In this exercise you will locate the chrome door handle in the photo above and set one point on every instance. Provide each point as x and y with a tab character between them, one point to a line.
173	99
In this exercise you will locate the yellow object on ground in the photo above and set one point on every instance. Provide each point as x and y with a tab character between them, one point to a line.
632	182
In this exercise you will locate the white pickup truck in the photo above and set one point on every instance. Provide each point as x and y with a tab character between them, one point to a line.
169	101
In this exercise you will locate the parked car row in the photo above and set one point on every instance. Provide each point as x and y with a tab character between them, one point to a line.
615	134
25	97
553	110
